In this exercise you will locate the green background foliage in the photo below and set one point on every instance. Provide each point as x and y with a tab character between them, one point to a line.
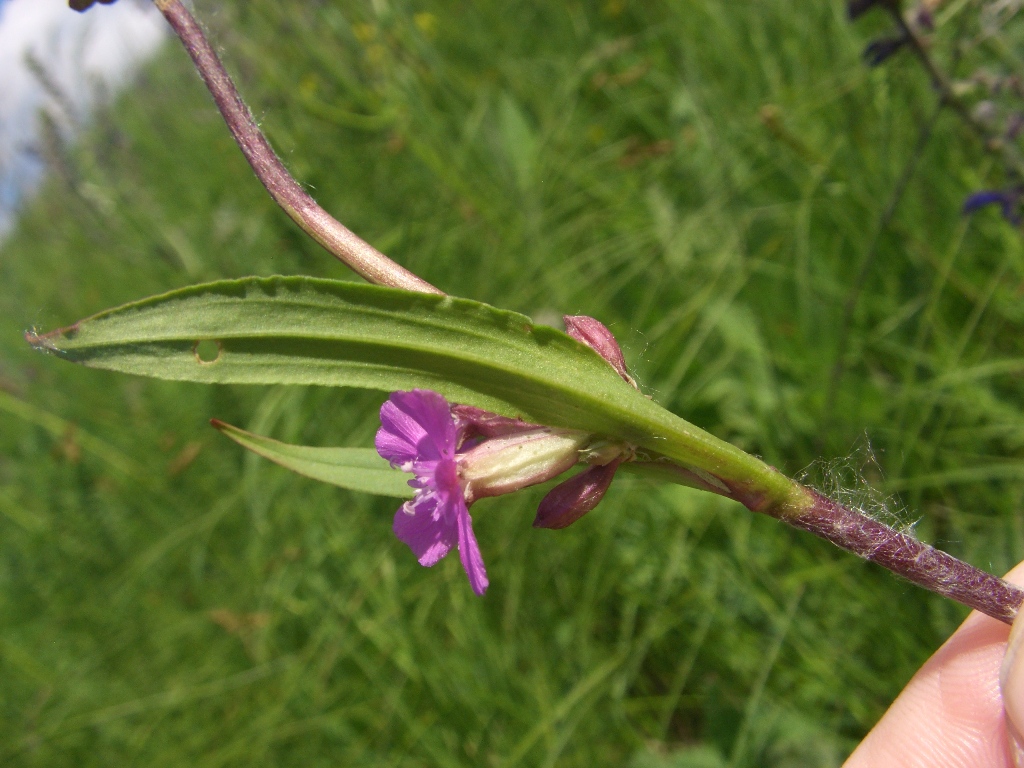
707	178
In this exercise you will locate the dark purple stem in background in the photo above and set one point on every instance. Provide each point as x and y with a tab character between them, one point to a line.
362	257
992	144
906	556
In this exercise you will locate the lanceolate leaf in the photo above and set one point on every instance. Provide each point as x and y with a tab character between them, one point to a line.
297	330
358	469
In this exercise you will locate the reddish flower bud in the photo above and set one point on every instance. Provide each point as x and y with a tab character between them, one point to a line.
569	501
596	335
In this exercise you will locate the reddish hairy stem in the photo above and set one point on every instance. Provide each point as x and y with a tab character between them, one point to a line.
362	257
905	556
947	97
856	532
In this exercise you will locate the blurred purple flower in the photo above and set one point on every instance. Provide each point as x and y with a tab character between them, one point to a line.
857	8
879	51
1014	125
84	5
1008	200
924	17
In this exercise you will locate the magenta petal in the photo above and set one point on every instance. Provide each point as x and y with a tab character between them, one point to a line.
415	425
569	501
419	434
469	553
429	535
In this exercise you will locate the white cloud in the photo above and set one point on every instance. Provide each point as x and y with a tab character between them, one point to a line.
86	55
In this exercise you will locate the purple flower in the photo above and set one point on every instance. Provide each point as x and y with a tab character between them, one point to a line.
460	454
1008	200
418	434
924	17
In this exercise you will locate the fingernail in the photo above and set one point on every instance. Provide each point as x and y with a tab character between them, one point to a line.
1011	683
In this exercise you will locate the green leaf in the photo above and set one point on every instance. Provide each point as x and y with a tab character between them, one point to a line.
293	330
358	469
298	330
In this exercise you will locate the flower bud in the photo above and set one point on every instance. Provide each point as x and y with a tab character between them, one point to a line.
569	501
596	335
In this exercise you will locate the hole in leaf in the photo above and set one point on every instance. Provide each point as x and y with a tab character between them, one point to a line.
207	351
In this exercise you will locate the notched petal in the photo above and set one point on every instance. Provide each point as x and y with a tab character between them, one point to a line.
415	426
469	553
428	538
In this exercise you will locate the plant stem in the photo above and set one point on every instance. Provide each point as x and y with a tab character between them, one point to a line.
856	532
905	556
362	257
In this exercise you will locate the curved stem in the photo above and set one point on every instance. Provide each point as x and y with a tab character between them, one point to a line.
362	257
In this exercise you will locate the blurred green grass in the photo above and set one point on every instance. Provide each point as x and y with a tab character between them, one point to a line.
707	179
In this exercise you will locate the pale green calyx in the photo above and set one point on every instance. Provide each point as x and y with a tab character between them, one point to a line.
505	464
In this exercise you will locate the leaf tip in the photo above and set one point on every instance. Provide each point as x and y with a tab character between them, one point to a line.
46	342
